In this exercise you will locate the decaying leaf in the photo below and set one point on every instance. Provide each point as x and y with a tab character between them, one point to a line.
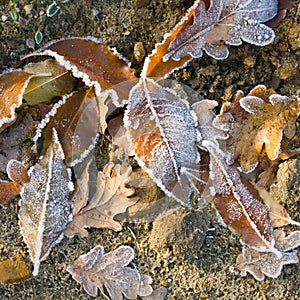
14	139
50	80
98	210
156	119
77	118
45	208
109	273
92	61
18	175
14	270
206	27
12	87
256	121
267	263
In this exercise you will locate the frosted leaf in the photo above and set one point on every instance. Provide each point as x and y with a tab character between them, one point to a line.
45	207
260	264
163	134
256	122
109	273
87	58
98	209
205	117
229	21
239	204
12	88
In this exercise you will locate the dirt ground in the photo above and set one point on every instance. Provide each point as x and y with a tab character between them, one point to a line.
203	271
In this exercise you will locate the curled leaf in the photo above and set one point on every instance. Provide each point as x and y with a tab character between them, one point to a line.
50	80
12	88
109	273
91	61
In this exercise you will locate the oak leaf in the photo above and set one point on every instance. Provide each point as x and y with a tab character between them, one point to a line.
18	175
98	209
156	119
260	264
256	122
45	207
238	203
109	273
209	29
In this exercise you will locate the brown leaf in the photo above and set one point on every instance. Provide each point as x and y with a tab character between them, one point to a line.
12	87
256	122
50	80
14	141
17	172
45	208
92	61
236	200
14	270
109	273
77	118
260	264
98	210
208	26
156	120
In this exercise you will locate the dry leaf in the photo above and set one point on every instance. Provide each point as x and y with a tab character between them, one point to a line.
236	200
156	119
267	263
257	121
12	87
45	208
208	28
158	294
50	80
92	61
109	273
17	172
77	118
98	210
13	140
14	270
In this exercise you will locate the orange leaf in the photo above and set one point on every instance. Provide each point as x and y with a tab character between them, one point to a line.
12	87
14	269
17	172
90	60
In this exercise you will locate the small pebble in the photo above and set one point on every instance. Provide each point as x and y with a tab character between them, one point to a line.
4	18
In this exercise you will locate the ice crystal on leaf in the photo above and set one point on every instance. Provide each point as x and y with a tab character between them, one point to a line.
267	263
109	273
256	121
45	208
156	119
207	28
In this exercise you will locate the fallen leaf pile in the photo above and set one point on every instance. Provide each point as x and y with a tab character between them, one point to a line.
184	149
